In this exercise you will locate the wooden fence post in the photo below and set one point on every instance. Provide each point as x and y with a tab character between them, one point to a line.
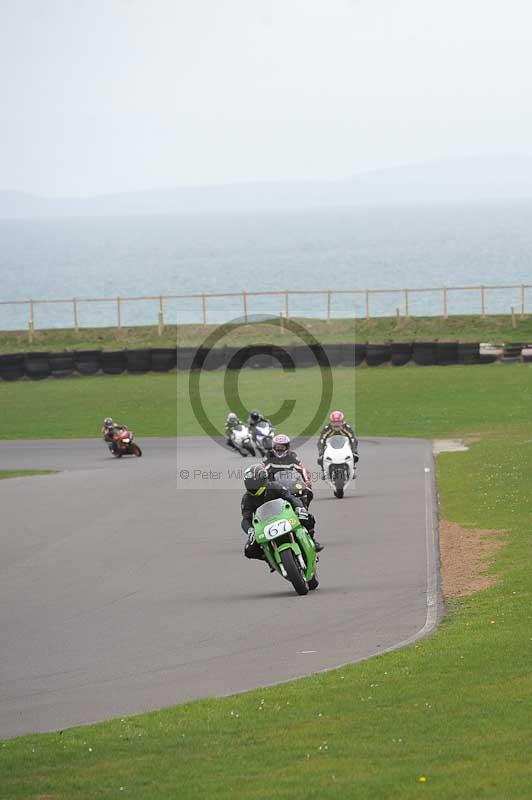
161	316
482	302
522	301
245	305
367	303
118	314
31	323
75	310
286	303
445	311
328	304
407	312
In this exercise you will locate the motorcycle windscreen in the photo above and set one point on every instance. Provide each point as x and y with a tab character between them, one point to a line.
287	476
270	509
337	442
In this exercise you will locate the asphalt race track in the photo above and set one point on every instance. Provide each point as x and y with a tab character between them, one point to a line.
123	587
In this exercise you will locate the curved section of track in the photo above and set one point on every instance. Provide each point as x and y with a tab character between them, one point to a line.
123	587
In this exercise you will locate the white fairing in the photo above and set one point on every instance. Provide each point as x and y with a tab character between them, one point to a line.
241	435
261	430
338	453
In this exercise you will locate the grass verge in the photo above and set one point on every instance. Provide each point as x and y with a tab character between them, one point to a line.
449	716
465	328
410	401
24	473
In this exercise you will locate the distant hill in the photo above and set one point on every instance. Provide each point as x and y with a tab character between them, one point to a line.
446	181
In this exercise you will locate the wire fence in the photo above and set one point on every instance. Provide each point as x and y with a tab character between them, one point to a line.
203	308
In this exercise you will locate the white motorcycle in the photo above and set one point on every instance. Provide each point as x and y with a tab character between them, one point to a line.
263	437
241	438
338	464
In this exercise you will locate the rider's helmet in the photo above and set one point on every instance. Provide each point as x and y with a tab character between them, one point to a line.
232	418
108	422
281	445
337	419
256	479
254	415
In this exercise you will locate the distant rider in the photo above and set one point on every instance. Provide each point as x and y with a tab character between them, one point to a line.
282	457
337	426
260	490
230	424
255	418
109	430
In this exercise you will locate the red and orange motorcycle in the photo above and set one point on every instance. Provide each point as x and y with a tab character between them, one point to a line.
123	444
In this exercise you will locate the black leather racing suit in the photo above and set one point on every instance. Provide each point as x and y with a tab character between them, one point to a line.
274	463
252	425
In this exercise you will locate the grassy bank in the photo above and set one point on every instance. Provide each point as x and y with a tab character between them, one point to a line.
412	401
448	717
23	473
457	328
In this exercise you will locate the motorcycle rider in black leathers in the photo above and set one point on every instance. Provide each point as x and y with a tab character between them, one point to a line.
281	457
337	426
254	419
260	490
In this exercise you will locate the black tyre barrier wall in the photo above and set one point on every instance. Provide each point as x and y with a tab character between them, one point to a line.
114	361
340	355
468	353
185	357
37	366
138	361
62	364
360	354
88	362
447	353
12	366
163	359
400	353
260	356
425	353
377	354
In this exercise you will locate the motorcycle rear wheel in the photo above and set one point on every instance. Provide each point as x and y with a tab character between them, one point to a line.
293	570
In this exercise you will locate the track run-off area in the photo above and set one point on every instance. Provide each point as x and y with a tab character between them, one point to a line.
123	585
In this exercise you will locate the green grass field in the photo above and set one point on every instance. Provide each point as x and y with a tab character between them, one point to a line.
447	718
466	328
24	473
407	401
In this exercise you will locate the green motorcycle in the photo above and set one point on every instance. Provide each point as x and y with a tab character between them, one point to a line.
287	546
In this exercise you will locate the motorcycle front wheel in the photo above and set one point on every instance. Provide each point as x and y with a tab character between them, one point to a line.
293	570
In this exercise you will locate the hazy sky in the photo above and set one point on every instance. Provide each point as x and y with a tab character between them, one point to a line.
115	95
